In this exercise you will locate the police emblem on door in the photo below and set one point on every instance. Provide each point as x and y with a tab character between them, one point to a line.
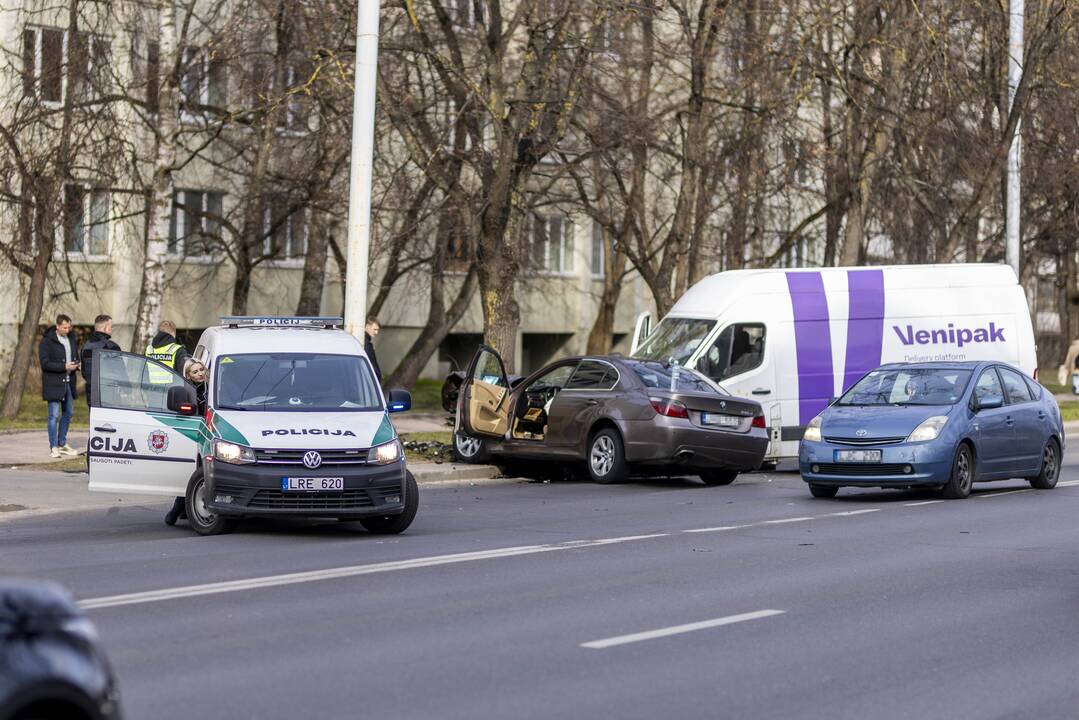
158	441
312	459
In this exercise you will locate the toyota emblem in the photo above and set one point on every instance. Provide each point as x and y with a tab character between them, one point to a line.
312	459
860	433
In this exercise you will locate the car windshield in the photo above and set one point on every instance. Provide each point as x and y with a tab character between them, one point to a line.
295	382
673	378
675	339
908	386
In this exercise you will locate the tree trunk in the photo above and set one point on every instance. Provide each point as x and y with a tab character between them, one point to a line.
241	288
314	269
28	327
601	336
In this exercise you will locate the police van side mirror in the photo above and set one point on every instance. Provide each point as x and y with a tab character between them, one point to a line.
181	399
399	401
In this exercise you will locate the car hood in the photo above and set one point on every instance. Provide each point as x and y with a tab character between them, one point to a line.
303	430
877	421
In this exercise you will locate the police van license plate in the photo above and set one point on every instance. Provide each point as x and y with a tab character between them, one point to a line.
720	420
312	484
857	456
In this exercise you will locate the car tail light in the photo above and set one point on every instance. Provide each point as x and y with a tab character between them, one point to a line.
758	421
669	408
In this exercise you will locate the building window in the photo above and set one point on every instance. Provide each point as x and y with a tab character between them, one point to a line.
611	37
294	114
552	246
202	82
195	227
286	230
86	221
598	250
470	13
44	53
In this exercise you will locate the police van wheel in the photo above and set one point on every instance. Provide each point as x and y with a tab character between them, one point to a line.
394	524
202	519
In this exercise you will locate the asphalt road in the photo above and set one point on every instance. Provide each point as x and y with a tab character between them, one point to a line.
537	600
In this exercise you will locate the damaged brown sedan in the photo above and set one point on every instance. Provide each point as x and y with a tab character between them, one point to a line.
617	415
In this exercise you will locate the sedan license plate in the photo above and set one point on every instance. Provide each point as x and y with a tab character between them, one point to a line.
312	484
857	456
720	420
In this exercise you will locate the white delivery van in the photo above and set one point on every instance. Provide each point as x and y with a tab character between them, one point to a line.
795	338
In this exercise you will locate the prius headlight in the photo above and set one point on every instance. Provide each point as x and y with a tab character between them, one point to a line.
230	452
385	453
812	433
928	430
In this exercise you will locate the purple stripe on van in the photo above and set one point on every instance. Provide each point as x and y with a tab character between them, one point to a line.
865	324
812	343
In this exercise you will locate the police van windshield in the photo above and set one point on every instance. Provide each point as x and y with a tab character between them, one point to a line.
305	382
675	338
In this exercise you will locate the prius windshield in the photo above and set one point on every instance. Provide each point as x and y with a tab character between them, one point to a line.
306	382
675	339
908	386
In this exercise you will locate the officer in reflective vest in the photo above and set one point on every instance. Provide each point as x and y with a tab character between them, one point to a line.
166	351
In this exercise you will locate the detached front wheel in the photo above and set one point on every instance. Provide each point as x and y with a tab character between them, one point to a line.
203	520
395	524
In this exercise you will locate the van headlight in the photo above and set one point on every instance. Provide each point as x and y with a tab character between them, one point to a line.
812	433
928	430
232	453
385	453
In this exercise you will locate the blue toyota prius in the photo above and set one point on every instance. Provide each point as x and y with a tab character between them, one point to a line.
945	425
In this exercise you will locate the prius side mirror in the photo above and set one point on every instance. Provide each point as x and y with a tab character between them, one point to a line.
989	402
399	401
181	399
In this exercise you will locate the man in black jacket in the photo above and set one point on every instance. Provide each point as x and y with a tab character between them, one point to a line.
58	353
370	330
101	339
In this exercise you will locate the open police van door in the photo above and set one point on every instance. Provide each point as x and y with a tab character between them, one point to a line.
485	395
144	426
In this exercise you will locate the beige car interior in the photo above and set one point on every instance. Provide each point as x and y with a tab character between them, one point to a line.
487	410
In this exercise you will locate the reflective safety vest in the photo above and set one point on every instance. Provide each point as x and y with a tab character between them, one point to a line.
166	355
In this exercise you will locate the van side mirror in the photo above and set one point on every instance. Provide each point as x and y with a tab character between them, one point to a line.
182	399
989	402
399	401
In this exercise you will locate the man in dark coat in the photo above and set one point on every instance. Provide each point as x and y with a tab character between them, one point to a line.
58	354
370	330
101	339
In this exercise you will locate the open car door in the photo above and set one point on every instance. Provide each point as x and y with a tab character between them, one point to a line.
144	426
485	396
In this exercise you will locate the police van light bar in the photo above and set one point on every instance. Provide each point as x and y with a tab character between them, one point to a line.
263	321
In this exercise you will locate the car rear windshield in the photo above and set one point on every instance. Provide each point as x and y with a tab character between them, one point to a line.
673	378
675	339
908	386
295	382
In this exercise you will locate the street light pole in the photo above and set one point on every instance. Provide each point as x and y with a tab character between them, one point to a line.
362	168
1016	13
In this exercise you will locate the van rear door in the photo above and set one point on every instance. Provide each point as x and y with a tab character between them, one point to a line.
137	443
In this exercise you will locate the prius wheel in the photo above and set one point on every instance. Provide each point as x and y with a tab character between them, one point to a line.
394	524
823	491
607	457
467	449
718	477
962	478
203	520
1047	478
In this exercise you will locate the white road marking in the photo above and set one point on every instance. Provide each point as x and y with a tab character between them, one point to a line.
787	520
923	502
717	529
999	494
1068	483
856	512
679	629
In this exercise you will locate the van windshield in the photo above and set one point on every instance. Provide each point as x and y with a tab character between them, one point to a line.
908	386
286	382
675	339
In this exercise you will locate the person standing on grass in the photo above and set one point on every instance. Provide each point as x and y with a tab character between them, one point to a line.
57	353
101	339
370	330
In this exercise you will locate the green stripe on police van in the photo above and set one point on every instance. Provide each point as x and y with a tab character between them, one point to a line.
385	432
226	431
192	428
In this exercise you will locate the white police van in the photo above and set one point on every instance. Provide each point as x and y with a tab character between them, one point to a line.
293	423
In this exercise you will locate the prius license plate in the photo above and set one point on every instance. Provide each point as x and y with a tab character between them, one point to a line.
312	484
720	420
857	456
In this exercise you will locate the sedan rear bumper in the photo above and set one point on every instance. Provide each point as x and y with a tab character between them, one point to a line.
676	441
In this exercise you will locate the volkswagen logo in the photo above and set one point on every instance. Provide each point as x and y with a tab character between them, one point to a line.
312	459
860	433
